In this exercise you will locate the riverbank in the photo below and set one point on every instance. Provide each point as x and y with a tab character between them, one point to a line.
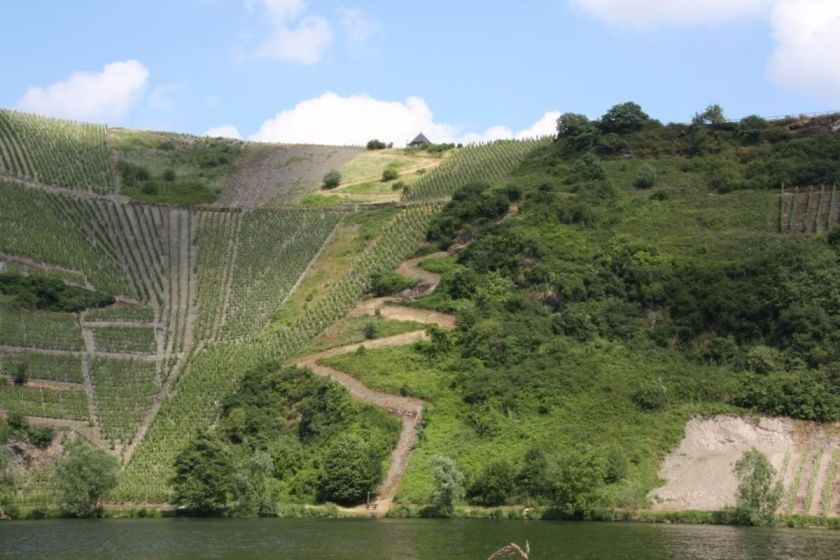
507	513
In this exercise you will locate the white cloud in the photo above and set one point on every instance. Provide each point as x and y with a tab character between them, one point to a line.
654	13
94	96
280	10
224	131
305	42
358	27
355	119
545	126
808	35
807	32
333	119
294	36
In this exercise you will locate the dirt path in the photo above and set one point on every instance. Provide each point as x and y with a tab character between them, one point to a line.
408	410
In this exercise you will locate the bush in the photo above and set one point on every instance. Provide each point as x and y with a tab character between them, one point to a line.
351	470
577	131
759	491
376	144
203	481
494	485
50	293
651	396
804	395
390	174
764	360
169	175
449	486
332	179
589	168
84	475
20	375
398	186
624	118
645	176
370	330
711	116
580	476
390	283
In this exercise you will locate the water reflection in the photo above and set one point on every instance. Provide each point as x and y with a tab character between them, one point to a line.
184	539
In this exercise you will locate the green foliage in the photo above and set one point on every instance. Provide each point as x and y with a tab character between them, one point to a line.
332	179
806	395
351	470
390	283
651	396
576	131
204	480
449	487
472	207
255	487
8	484
20	375
646	176
376	145
751	130
494	486
624	118
580	477
84	476
370	330
50	293
759	491
710	116
390	174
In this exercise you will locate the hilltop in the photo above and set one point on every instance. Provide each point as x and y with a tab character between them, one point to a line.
571	305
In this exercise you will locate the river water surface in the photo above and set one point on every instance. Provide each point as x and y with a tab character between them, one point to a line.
401	539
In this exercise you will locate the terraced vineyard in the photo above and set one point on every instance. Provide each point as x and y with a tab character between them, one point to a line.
198	290
481	163
810	210
215	370
55	152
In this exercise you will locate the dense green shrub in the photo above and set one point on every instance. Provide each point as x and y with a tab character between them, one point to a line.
807	395
580	476
472	207
646	176
494	486
332	179
84	475
759	490
376	144
624	118
390	174
711	115
390	283
42	291
576	132
651	396
449	487
204	476
351	471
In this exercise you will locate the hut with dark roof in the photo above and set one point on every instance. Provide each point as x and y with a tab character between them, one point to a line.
420	142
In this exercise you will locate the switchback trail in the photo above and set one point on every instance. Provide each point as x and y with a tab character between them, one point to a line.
408	410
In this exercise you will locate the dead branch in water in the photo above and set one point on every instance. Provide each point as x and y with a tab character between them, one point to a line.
512	550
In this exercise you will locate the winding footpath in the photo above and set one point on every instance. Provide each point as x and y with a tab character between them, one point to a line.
408	410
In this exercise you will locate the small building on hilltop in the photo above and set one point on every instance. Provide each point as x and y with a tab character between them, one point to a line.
420	142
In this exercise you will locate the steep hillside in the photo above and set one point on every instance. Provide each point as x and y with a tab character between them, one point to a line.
596	293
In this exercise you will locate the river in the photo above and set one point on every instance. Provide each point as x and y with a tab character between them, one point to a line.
401	539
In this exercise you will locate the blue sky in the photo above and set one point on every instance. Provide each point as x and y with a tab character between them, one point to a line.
459	69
